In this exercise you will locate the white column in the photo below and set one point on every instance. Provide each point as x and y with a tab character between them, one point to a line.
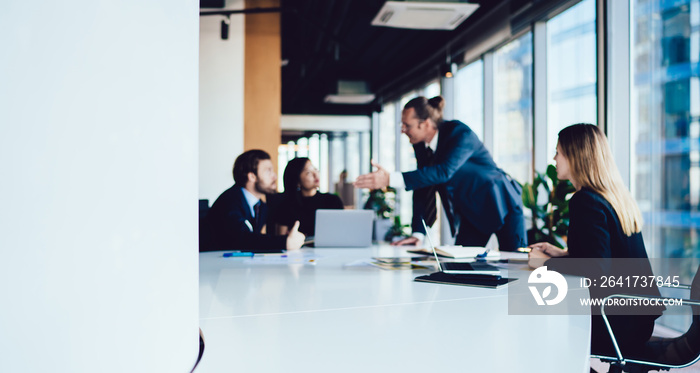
98	156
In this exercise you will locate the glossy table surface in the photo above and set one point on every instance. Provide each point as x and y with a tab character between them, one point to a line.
325	310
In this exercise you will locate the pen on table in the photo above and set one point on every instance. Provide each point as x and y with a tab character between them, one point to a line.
482	257
524	249
238	254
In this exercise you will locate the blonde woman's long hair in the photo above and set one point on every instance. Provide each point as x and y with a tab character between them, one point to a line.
592	166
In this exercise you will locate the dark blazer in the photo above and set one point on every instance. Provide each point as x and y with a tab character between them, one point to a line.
226	221
294	207
476	189
595	232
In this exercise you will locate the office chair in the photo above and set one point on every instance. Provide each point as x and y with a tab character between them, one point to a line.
660	353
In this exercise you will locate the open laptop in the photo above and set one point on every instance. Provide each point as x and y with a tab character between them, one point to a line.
343	228
474	268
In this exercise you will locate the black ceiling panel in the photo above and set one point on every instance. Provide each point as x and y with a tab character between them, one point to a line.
324	41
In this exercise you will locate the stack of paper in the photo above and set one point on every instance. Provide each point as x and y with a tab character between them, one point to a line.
458	252
395	263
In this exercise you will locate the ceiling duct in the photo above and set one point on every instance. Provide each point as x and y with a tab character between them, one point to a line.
351	92
423	15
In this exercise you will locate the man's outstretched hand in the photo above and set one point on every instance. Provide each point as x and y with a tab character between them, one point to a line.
378	179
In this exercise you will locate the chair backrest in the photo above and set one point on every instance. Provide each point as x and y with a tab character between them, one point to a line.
684	349
204	235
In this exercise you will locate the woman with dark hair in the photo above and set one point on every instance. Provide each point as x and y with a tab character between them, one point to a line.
479	198
301	198
605	225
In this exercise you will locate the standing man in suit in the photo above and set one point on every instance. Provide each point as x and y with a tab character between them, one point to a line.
479	198
237	218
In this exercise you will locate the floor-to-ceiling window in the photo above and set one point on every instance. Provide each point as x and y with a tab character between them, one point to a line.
571	70
432	90
665	127
469	97
512	116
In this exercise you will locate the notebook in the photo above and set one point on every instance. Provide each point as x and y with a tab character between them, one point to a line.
343	228
474	268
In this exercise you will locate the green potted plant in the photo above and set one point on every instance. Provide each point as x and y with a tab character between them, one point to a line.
397	231
382	201
550	219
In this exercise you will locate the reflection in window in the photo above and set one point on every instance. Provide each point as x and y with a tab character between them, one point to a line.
665	126
512	97
469	97
665	131
571	70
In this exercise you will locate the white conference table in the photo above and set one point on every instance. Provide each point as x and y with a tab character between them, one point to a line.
272	314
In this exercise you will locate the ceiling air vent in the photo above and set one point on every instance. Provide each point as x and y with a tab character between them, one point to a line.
350	92
423	15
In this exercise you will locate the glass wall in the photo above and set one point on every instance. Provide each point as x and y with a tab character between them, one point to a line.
331	153
571	70
665	131
469	97
387	137
665	127
512	98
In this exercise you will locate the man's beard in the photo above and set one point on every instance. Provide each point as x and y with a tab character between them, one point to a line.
265	190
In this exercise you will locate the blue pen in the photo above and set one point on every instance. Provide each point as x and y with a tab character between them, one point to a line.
482	257
237	254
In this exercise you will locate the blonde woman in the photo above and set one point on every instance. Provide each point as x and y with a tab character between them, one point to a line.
605	222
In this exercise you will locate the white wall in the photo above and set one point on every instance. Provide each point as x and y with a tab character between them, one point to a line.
221	87
98	157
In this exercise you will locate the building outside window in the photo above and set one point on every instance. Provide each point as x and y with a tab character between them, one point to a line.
665	128
665	131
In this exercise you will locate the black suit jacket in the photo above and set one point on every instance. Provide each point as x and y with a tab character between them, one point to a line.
597	240
226	221
476	189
